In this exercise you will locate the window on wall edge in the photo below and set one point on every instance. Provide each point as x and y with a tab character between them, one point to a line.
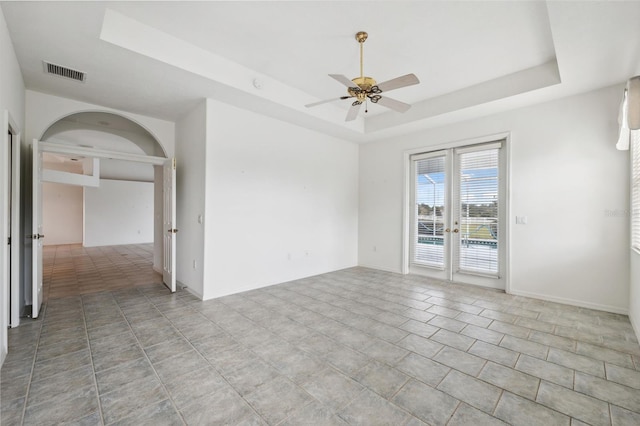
635	190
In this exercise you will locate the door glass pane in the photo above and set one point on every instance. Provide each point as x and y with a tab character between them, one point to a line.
478	241
429	220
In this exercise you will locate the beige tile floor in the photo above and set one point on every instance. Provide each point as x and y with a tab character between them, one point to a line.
70	270
356	346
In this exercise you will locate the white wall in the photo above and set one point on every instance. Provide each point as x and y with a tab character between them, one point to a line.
281	201
12	100
62	207
118	212
565	175
191	131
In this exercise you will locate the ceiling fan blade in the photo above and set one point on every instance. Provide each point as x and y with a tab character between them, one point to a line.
353	112
327	101
398	82
343	79
393	104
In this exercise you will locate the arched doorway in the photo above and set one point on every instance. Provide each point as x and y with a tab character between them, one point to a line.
88	147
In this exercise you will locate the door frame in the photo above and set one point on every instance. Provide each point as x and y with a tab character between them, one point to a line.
96	153
37	291
9	254
16	232
407	210
445	154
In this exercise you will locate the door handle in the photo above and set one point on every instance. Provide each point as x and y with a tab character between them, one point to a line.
172	231
456	231
447	230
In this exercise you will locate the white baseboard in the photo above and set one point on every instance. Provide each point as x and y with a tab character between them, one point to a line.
572	302
190	290
635	323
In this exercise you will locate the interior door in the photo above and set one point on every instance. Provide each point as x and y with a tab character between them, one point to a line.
169	223
458	226
36	231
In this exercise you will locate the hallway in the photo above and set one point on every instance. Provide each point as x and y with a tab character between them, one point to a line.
72	270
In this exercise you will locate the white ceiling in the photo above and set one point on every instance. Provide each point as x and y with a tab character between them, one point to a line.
473	58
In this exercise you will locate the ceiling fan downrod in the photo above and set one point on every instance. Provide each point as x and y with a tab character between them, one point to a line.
361	37
363	84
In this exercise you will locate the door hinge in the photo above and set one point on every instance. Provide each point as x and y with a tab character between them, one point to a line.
9	241
174	163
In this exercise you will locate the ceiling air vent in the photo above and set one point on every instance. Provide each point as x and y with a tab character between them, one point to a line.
65	72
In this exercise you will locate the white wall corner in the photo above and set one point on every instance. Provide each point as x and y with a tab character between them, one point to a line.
185	287
635	323
380	268
191	132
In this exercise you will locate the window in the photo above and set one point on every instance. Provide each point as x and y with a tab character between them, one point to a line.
429	220
478	211
635	190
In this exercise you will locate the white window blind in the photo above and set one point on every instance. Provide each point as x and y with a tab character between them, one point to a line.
478	211
430	194
635	190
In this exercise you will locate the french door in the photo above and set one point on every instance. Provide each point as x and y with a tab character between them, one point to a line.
458	218
169	224
36	224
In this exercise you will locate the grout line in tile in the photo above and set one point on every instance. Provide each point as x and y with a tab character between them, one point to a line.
33	365
93	368
173	404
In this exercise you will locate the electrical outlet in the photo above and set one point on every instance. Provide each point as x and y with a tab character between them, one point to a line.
195	264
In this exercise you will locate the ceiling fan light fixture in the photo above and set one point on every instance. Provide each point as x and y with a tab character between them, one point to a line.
365	83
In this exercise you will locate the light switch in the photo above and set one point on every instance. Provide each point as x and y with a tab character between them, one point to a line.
521	220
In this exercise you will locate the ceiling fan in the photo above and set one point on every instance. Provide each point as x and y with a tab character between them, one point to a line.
367	89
